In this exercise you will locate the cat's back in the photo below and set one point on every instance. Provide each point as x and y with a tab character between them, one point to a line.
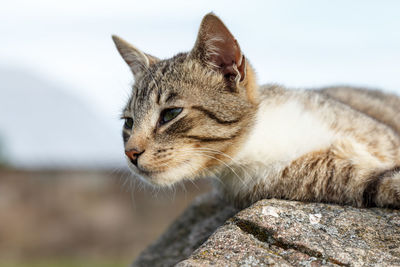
383	107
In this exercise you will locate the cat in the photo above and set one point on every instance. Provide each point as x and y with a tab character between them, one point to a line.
202	113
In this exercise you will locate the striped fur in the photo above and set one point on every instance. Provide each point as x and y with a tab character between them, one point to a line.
338	144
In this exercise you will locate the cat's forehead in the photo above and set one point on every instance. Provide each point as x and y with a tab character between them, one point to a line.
155	84
180	78
162	73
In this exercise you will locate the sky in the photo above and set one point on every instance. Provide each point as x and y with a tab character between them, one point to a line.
297	43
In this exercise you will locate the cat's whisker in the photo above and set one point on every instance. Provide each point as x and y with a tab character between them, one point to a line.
182	185
132	194
221	153
126	181
194	170
237	164
207	174
224	163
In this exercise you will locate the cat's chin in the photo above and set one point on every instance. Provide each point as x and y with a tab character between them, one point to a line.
154	178
188	169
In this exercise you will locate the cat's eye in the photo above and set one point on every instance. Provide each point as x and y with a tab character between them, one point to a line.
169	114
128	123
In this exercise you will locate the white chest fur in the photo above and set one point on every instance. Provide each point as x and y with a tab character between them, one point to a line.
282	133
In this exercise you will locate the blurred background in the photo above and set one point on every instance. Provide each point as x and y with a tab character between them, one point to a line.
65	196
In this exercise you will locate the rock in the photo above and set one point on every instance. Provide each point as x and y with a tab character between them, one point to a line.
282	233
188	232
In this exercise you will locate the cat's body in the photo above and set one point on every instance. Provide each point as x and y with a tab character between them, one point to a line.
318	146
202	113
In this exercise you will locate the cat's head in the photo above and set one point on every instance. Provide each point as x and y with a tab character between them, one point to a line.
187	115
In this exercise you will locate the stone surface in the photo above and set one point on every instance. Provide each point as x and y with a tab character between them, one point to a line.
188	232
285	233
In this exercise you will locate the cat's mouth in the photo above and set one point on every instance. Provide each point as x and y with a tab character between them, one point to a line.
147	175
144	171
160	177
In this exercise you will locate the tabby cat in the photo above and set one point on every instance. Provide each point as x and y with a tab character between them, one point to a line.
202	113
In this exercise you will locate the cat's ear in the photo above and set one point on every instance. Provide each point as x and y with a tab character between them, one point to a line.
136	59
218	49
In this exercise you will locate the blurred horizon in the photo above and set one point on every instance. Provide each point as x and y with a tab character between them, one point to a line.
66	47
82	218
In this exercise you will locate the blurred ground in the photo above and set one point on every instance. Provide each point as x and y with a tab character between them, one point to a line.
81	218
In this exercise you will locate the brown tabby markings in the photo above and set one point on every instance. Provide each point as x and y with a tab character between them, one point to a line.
213	116
371	192
337	144
181	126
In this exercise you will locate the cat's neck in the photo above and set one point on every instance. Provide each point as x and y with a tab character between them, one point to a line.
283	129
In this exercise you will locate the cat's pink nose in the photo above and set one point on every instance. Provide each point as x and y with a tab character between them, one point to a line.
133	155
